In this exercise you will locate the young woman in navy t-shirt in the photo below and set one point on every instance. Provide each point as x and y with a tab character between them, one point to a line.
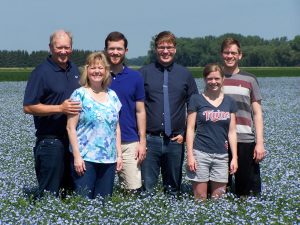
213	115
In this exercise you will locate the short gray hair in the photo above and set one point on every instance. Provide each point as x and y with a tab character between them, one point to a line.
59	33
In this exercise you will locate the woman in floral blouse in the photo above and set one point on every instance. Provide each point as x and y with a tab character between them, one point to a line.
94	133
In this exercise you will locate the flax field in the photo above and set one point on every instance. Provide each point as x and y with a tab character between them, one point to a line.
278	204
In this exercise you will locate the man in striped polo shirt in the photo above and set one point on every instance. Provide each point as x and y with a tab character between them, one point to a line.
243	87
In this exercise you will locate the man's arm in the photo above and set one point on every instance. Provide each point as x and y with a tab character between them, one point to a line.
67	107
141	124
259	151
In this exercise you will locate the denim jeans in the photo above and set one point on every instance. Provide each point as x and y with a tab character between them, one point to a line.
98	179
166	156
50	156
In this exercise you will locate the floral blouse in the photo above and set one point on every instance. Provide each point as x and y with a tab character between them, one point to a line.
96	128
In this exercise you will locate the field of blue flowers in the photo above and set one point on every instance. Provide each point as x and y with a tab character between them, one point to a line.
279	203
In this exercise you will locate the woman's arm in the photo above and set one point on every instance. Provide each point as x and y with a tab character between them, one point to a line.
232	137
71	128
119	149
190	133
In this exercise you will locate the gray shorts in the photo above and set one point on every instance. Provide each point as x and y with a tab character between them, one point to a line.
209	167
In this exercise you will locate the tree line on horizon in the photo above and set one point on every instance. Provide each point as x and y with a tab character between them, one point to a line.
191	52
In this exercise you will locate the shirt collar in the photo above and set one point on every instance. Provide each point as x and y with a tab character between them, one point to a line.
57	67
124	71
162	68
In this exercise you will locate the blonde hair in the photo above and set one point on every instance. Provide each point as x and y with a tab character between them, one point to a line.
92	59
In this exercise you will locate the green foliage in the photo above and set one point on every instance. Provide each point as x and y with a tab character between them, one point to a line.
192	52
136	61
257	51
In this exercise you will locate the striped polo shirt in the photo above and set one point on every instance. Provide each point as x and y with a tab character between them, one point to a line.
244	89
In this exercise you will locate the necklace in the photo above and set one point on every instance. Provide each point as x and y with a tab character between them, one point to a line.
95	91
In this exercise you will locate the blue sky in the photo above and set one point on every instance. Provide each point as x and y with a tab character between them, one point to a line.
27	24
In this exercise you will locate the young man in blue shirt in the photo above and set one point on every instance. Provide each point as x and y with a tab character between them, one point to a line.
129	86
47	99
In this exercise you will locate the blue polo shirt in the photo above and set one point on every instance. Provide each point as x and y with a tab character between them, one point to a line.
50	84
129	86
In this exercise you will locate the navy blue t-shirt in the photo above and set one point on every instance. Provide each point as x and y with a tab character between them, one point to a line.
50	84
212	123
129	86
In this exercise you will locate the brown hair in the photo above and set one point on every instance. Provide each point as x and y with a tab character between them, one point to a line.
116	36
92	59
165	36
230	41
212	67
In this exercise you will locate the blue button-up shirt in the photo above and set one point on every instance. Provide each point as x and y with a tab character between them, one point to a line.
182	86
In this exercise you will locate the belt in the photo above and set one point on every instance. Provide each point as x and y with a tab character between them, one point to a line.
161	134
61	137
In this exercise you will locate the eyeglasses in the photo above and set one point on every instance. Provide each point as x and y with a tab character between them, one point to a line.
232	53
162	48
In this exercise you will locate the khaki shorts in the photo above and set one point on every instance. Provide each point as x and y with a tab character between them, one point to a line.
130	176
209	167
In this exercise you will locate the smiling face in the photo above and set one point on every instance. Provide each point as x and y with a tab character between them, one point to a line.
165	53
231	56
96	72
116	52
214	81
61	49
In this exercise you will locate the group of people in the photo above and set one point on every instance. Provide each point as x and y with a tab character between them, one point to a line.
111	118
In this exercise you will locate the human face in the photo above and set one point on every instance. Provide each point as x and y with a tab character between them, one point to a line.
116	52
96	72
214	81
231	56
61	49
165	53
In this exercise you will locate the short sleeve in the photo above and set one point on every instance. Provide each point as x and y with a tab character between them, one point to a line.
233	105
140	91
34	89
193	103
255	93
115	100
77	95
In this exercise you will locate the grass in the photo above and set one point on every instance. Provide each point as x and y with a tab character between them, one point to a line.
15	74
259	71
22	74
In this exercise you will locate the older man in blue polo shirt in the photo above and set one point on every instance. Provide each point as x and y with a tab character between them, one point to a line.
168	88
47	99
